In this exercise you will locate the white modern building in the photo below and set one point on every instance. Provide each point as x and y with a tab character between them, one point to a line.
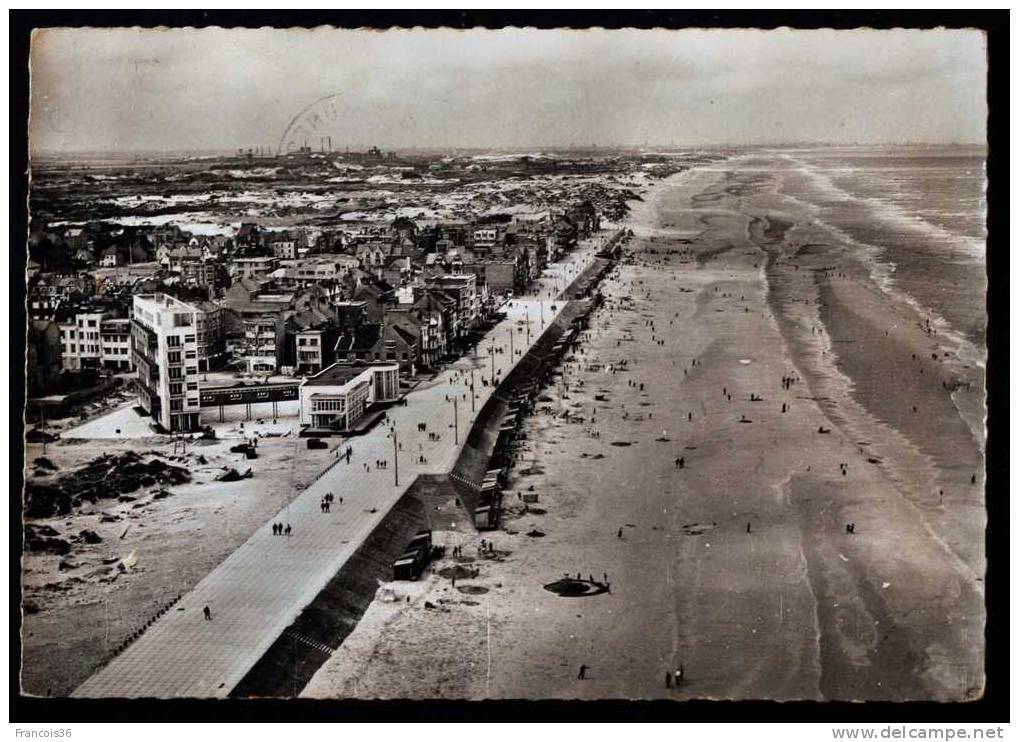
80	341
338	396
165	344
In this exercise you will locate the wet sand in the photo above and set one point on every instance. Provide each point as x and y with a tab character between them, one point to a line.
737	565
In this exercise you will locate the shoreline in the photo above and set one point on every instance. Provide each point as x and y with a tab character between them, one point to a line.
724	564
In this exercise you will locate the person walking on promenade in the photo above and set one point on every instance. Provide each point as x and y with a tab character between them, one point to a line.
208	613
288	530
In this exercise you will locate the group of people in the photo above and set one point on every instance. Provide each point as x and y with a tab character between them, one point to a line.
327	501
278	529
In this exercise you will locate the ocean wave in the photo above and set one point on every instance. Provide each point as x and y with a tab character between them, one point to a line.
896	216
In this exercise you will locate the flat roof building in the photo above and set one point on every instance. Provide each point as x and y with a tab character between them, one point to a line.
336	398
165	348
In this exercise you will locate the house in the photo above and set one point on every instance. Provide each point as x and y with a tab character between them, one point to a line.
375	296
404	231
310	341
485	239
163	254
379	342
283	245
397	271
248	236
253	267
429	328
462	288
181	254
442	312
110	258
564	235
372	254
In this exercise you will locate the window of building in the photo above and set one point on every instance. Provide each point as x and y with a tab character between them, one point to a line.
176	405
175	373
189	338
173	341
192	386
191	354
176	389
173	357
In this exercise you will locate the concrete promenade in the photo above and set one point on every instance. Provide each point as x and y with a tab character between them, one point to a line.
256	592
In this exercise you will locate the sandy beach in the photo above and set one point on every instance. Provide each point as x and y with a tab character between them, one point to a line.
77	610
673	462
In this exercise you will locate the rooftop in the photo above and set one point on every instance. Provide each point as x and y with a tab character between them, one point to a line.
339	374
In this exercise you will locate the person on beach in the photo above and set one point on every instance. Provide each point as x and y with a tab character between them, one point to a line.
583	672
620	533
208	613
679	675
748	526
288	530
668	679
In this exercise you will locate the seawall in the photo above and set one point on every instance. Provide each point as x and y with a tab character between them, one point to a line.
304	646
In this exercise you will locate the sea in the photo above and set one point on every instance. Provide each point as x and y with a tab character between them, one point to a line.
922	211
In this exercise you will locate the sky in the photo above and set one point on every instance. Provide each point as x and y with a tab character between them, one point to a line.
216	89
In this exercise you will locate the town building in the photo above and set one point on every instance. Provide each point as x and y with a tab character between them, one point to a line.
43	362
201	273
165	345
211	336
257	268
283	245
363	340
310	341
463	289
263	342
80	340
115	341
338	397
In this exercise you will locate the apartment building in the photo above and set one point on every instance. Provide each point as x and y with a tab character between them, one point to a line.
80	341
115	344
165	348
